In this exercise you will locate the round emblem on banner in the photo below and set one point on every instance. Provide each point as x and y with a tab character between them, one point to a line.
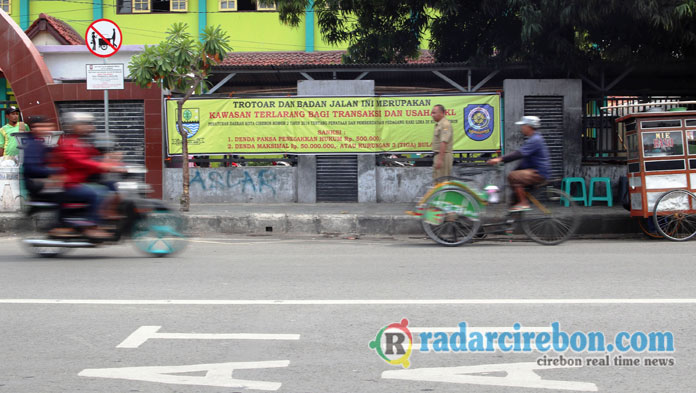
479	121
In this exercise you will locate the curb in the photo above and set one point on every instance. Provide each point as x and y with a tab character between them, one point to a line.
338	224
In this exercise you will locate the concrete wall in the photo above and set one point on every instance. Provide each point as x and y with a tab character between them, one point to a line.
68	62
613	172
571	90
271	184
409	184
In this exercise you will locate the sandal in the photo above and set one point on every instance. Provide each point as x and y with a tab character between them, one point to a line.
520	208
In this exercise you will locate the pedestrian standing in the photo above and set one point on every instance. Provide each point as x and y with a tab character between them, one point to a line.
8	143
442	143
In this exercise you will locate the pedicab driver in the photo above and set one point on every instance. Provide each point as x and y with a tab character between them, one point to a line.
535	165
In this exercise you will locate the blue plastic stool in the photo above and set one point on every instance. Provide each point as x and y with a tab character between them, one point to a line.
606	198
566	184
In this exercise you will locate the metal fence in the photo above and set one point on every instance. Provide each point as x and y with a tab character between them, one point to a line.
603	138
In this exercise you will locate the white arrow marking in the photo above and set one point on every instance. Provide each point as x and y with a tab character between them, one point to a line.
517	375
218	374
144	333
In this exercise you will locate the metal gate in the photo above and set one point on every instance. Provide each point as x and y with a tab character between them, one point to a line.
126	125
550	110
337	178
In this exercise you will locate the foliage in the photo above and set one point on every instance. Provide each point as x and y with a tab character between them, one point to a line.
181	64
565	33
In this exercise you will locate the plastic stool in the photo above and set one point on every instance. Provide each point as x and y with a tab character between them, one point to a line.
606	198
566	184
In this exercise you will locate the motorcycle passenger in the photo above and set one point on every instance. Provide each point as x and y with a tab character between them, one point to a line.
36	170
80	160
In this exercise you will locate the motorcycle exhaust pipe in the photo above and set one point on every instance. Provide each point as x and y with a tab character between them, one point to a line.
57	243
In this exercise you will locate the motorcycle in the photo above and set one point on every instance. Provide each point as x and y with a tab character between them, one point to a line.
155	229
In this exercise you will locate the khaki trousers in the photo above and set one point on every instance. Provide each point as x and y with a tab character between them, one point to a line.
446	168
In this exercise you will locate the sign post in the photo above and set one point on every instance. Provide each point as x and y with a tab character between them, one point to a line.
103	38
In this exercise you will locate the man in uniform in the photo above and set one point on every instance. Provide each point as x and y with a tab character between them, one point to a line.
442	143
8	143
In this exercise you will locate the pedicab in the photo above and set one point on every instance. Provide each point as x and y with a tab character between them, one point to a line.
661	148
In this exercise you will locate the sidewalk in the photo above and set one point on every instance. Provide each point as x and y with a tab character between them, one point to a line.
384	219
358	218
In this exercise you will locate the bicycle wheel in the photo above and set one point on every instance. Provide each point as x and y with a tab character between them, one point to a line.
160	234
451	217
549	221
675	215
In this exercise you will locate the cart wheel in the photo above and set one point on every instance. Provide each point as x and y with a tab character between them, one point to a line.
645	224
675	215
451	217
549	221
160	234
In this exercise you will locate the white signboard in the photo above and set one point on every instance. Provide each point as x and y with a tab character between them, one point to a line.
105	77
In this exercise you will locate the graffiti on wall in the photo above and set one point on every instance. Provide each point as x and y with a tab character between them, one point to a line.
264	180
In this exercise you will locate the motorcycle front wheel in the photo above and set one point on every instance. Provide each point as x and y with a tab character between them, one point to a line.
159	234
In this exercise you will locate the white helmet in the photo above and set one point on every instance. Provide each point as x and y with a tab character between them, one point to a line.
531	121
72	118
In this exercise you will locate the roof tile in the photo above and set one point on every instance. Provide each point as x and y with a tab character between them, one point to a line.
300	58
59	29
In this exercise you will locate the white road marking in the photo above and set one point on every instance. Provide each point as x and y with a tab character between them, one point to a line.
218	374
516	375
343	302
144	333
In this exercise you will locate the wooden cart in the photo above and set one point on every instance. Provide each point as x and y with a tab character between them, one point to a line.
661	150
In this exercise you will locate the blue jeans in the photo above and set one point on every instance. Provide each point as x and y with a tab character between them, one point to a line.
92	196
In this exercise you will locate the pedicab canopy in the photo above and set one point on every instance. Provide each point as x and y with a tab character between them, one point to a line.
299	125
661	148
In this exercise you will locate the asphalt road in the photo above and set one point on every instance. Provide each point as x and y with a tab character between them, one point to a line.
297	315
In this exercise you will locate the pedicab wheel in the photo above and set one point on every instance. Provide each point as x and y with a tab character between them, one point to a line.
674	215
643	223
161	233
443	220
549	221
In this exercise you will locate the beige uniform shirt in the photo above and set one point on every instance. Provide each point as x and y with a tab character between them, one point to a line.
442	133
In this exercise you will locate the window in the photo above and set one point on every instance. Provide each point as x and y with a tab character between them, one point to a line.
661	144
142	6
247	5
661	124
265	5
6	5
632	146
228	5
178	5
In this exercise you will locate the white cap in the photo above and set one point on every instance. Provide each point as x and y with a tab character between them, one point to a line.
532	121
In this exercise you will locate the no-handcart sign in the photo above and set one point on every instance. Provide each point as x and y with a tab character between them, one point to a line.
103	38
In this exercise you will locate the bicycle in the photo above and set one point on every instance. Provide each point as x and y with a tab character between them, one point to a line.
451	213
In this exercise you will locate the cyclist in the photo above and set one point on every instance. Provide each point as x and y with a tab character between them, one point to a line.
535	165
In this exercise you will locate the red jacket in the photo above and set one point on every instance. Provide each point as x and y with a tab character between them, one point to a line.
77	160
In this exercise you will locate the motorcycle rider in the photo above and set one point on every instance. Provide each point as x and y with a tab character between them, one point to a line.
80	160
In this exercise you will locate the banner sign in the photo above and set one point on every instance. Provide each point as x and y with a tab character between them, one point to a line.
332	124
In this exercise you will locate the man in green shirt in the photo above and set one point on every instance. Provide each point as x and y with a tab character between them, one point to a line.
8	143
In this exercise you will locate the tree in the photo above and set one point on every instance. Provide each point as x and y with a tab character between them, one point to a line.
570	34
181	64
